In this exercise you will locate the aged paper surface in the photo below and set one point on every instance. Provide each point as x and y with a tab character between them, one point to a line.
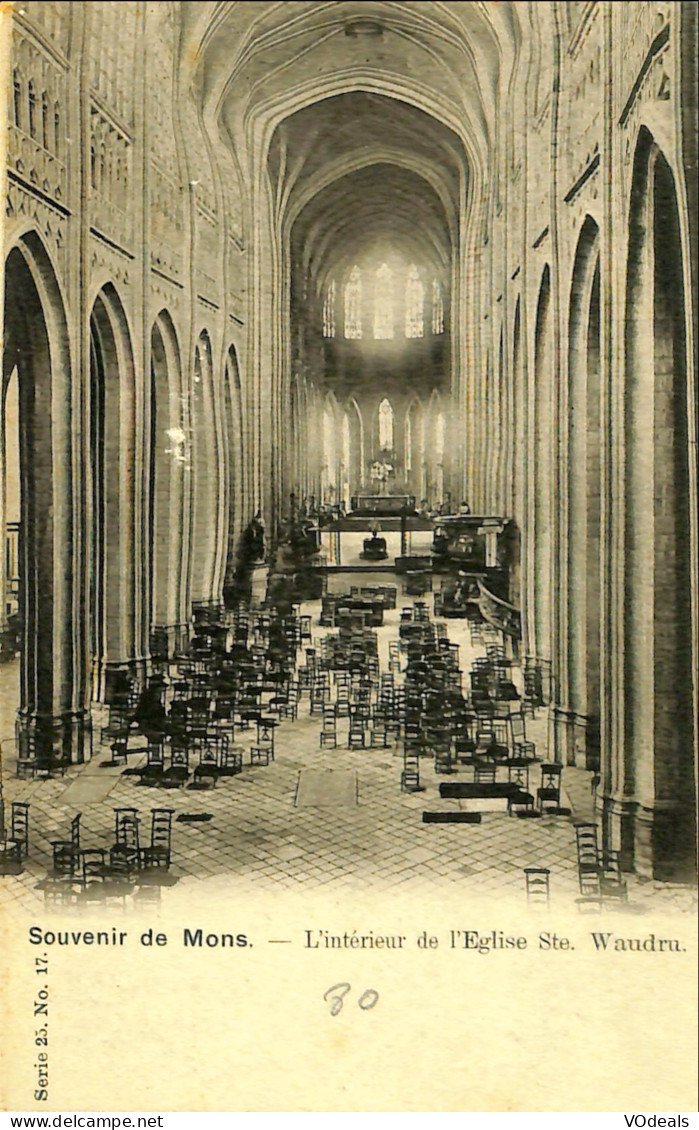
175	1028
264	985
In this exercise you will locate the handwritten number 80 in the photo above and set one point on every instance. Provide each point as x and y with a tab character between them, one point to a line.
336	997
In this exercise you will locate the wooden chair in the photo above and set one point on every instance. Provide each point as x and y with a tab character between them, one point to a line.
589	869
342	703
262	752
410	776
177	773
356	738
484	772
206	771
537	881
443	759
319	694
230	760
66	853
125	850
290	708
525	750
549	792
521	800
91	875
612	885
152	772
158	852
15	847
378	735
328	733
119	722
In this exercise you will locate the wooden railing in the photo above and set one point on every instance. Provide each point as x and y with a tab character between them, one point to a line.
499	613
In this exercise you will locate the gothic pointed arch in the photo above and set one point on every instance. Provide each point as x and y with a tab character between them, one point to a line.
168	460
112	412
414	448
54	669
583	491
541	528
331	451
236	484
659	720
205	470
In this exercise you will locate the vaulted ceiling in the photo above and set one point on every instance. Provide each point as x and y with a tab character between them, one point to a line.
255	64
349	192
375	122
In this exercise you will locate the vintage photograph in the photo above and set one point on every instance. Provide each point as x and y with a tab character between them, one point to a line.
348	478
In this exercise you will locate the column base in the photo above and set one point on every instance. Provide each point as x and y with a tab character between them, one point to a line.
657	842
576	739
64	738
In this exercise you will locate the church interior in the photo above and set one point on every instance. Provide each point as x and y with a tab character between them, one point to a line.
348	469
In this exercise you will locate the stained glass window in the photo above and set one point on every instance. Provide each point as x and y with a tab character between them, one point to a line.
414	301
437	308
353	304
329	311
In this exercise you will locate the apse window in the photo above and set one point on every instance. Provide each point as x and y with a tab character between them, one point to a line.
437	308
353	304
385	425
414	302
383	303
329	311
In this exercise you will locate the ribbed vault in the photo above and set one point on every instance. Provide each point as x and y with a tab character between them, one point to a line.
380	209
360	130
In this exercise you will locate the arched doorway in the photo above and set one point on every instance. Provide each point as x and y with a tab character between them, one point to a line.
657	771
237	491
519	447
356	447
10	491
205	475
414	450
168	456
346	460
330	467
113	553
543	401
584	500
36	376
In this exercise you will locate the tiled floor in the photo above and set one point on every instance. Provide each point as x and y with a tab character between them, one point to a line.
260	838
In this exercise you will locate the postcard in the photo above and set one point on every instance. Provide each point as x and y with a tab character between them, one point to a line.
348	596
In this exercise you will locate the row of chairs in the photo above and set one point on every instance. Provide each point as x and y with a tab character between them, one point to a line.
82	874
